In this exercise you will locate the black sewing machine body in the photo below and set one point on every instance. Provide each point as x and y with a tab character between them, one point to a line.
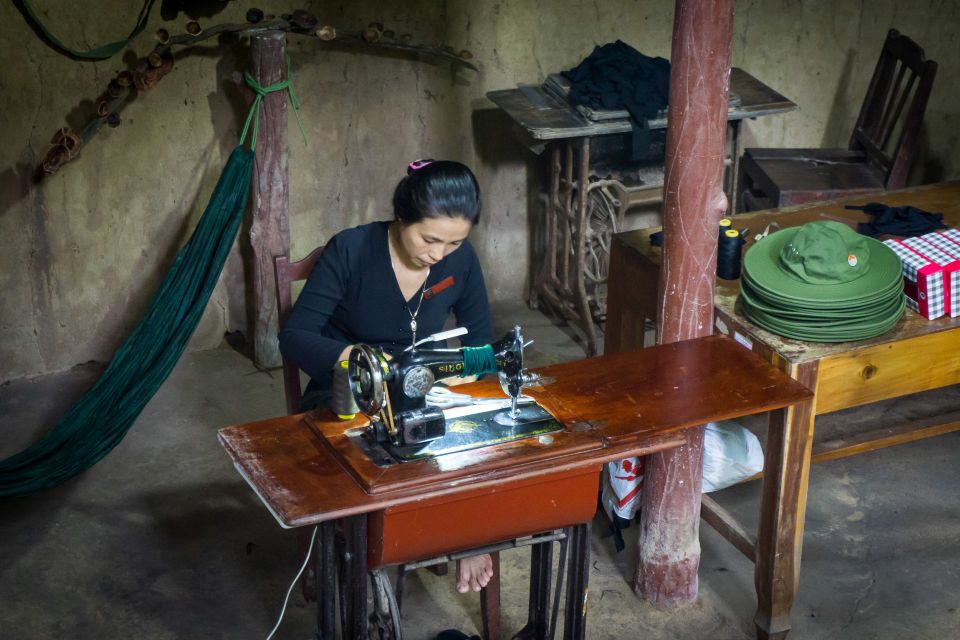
392	393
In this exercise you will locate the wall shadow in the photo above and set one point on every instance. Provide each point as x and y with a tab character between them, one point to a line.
498	142
839	126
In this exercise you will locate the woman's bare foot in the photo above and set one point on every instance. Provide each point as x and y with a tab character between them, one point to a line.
474	573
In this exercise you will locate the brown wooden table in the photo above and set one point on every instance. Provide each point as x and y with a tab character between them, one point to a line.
582	214
916	355
307	470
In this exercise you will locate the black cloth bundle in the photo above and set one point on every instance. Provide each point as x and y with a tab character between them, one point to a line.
617	76
454	634
897	221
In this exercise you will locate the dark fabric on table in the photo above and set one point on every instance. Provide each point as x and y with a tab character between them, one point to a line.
617	76
897	221
455	634
352	296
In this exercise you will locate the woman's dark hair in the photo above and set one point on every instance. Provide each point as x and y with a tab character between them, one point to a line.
435	188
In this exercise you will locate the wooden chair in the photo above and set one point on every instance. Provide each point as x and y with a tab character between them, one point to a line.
285	274
881	149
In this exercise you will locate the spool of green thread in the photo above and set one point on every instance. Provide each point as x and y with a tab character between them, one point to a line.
478	361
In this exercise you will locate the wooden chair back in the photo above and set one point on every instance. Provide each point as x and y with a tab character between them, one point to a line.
891	116
286	273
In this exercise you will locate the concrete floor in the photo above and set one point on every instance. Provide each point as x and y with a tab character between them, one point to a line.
163	540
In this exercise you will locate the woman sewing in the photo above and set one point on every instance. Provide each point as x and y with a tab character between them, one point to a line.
389	284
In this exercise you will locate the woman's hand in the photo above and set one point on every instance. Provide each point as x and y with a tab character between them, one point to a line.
453	381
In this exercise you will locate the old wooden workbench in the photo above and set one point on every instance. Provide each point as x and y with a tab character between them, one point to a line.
916	355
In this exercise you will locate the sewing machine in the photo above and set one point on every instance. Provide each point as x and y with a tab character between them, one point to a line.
393	394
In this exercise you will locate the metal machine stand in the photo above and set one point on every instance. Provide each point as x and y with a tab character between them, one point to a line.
572	277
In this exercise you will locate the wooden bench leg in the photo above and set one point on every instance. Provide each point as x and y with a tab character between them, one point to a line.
783	505
490	602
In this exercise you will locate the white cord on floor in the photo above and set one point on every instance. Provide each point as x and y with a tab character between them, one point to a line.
313	536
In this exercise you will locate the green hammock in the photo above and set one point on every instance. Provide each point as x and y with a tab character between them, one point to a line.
101	418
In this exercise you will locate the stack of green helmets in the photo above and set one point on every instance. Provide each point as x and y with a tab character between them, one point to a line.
822	282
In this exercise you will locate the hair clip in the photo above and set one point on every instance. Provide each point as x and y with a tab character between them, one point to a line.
417	164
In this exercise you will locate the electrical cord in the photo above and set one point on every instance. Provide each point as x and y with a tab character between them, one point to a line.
313	537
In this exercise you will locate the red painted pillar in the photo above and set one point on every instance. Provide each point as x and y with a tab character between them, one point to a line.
694	202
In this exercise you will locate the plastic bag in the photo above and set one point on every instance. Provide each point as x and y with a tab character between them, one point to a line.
622	482
620	494
731	454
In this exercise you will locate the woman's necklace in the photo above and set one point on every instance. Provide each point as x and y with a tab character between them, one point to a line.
413	314
395	259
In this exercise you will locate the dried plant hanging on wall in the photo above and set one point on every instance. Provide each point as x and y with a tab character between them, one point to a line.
147	71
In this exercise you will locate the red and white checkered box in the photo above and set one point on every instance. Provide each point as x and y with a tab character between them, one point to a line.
947	241
923	279
939	250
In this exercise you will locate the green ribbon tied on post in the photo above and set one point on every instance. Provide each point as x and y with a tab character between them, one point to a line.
254	113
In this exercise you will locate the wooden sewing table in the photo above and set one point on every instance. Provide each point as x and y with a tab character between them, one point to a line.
916	355
582	212
307	470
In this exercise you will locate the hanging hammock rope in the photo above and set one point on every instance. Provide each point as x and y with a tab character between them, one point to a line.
97	53
97	422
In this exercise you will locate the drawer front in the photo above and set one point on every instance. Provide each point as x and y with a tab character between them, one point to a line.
481	517
888	371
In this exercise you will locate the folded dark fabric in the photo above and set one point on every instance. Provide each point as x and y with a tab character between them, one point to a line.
617	76
897	221
454	634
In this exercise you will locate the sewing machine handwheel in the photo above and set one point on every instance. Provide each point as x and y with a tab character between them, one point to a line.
366	379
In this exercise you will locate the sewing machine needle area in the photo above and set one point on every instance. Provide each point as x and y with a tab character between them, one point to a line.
412	419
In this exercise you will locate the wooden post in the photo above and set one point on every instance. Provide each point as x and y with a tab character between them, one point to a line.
669	553
270	229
